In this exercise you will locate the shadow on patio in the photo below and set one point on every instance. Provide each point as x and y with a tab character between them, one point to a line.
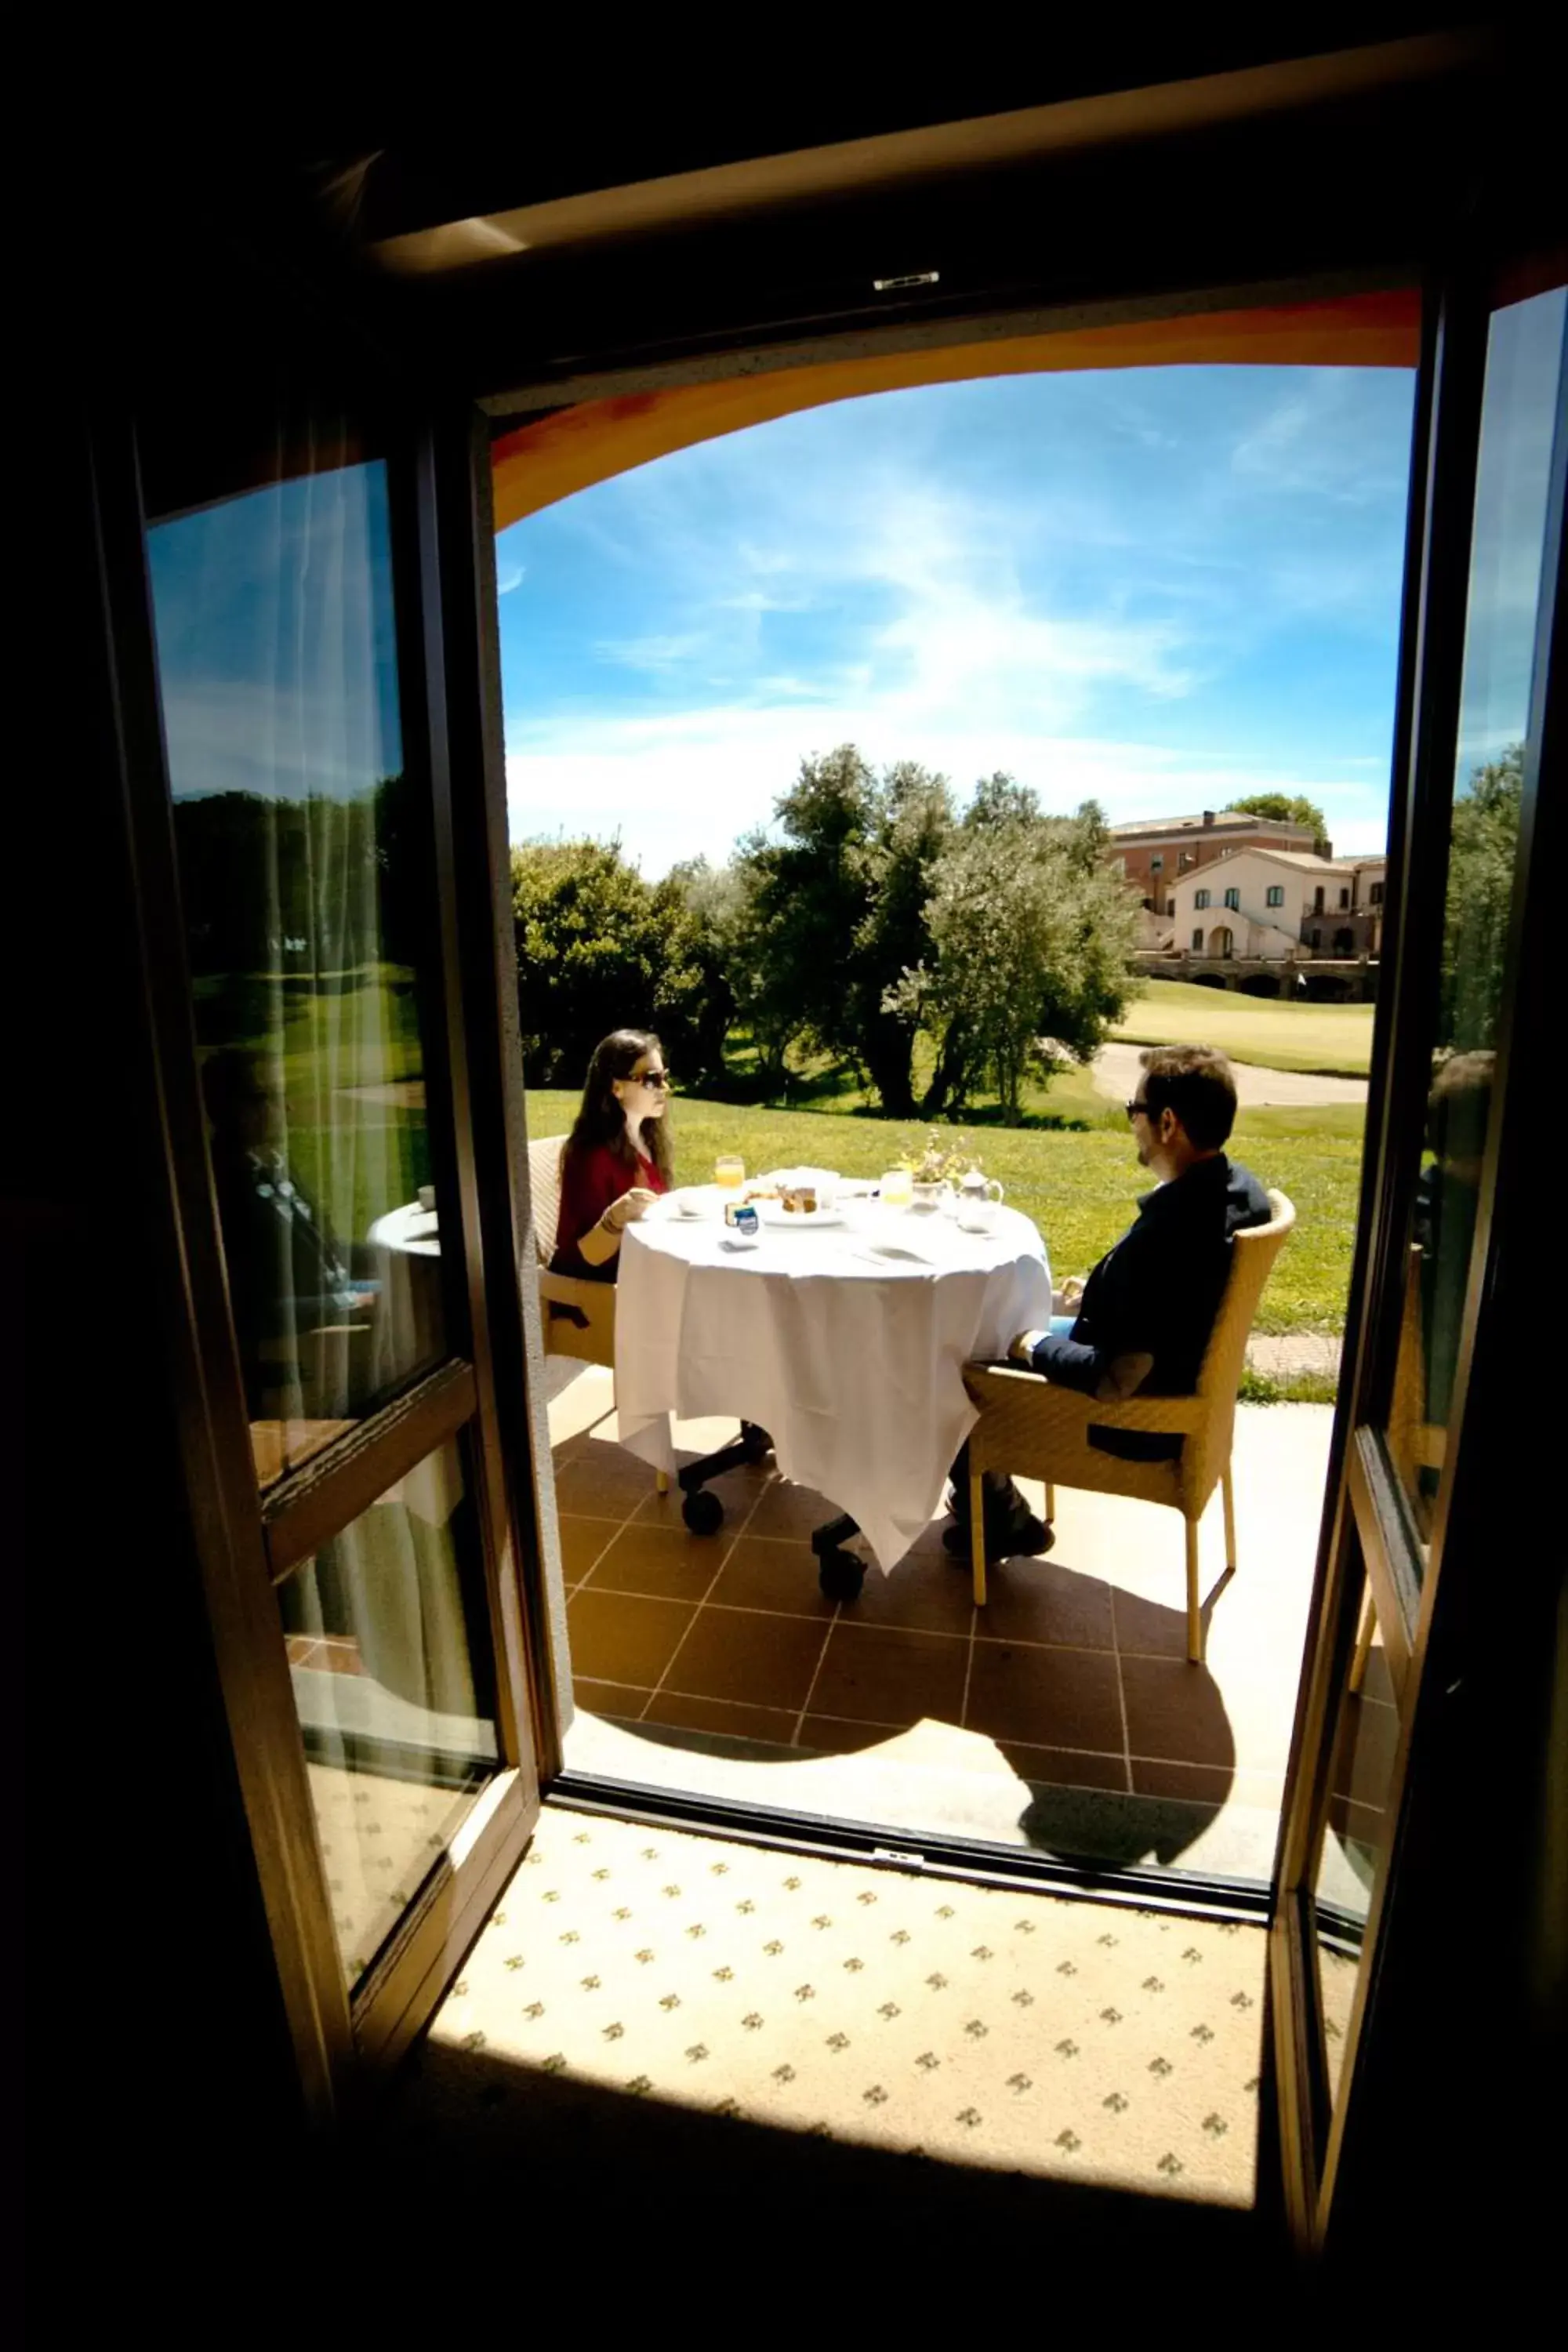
1064	1717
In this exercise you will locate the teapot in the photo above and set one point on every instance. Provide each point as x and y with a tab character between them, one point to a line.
979	1198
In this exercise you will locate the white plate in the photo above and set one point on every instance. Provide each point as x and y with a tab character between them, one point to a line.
775	1213
690	1202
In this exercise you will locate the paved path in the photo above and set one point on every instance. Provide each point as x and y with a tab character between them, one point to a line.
1280	1357
1117	1069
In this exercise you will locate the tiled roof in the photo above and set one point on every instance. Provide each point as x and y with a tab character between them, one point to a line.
1220	821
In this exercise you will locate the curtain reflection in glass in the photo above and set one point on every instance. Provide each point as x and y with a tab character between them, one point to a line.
303	872
398	1735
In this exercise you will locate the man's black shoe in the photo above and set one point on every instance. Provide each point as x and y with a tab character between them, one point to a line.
1022	1538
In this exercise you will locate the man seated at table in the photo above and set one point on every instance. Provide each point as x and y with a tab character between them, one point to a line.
1141	1321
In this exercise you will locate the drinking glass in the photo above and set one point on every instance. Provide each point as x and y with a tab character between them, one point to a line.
729	1172
897	1188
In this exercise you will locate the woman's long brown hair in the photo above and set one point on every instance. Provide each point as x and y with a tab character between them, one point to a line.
600	1118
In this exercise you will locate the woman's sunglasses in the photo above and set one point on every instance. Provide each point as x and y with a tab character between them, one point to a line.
659	1079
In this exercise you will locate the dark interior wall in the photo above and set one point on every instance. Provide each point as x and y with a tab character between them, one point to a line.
162	2087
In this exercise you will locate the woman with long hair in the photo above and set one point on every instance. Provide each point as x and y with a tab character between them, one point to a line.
617	1158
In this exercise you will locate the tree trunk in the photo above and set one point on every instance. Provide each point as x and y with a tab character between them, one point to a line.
888	1049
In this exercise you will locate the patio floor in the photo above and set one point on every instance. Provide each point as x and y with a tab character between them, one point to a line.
1063	1716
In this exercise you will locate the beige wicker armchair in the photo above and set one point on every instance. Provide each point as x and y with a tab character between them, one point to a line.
578	1318
1029	1425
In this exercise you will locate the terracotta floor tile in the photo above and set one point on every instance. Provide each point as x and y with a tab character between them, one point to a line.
609	1698
617	1637
874	1673
790	1511
925	1593
1150	1628
581	1541
1175	1712
1044	1601
1066	1768
737	1653
763	1573
831	1735
1216	1784
729	1716
594	1489
665	1562
1020	1693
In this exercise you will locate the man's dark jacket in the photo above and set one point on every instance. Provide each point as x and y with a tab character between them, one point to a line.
1157	1292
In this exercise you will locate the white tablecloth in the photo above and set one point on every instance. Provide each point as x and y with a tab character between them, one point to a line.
852	1361
406	1328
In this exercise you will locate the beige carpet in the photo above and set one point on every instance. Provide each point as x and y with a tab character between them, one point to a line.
969	2024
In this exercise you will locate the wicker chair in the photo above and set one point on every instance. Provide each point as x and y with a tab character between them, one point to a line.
578	1318
1029	1425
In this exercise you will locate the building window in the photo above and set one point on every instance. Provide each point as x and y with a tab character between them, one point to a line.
1344	897
1375	893
1156	863
1198	938
1200	899
1232	899
1317	939
1276	894
1317	899
1170	906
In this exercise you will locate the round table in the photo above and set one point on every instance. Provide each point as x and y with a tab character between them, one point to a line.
847	1343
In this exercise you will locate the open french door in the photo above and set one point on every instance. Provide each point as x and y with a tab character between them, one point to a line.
1420	1755
288	549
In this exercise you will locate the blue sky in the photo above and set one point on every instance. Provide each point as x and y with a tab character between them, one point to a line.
1162	587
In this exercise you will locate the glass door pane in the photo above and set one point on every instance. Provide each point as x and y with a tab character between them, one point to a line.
304	872
1395	1472
1522	411
387	1649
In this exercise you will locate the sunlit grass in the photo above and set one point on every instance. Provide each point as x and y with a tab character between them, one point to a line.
1079	1187
1278	1035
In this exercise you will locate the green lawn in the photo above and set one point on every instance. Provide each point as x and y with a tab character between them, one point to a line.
1078	1187
1278	1035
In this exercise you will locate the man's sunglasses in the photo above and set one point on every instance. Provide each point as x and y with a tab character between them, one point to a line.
1138	1110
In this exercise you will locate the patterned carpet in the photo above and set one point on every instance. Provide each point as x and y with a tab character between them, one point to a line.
968	2024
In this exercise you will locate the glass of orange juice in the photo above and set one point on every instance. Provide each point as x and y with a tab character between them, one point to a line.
897	1188
729	1172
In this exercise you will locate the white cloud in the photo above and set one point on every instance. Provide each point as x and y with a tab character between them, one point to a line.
509	576
687	781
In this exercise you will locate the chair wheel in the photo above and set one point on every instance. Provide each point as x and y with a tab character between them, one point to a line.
703	1513
841	1575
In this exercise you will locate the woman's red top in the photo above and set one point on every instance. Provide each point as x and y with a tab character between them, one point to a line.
590	1181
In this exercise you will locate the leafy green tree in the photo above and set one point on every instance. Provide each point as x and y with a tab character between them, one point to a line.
1000	799
804	899
1483	849
713	900
1029	944
833	910
1285	808
914	821
598	949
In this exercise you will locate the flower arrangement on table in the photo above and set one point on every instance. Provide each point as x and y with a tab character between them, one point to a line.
940	1161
